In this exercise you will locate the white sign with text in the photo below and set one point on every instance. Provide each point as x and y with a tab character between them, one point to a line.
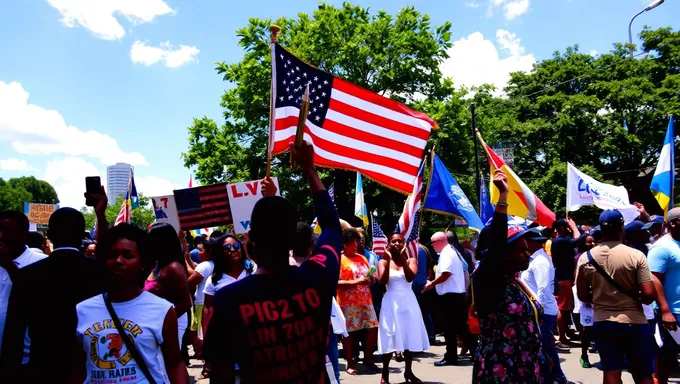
166	211
242	199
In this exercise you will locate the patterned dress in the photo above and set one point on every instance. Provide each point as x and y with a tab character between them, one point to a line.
509	348
356	301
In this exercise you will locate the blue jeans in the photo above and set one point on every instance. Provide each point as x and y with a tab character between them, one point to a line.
332	352
625	346
550	352
424	309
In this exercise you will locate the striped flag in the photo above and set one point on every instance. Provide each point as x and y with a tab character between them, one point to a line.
664	176
130	202
350	127
409	222
521	200
379	238
202	207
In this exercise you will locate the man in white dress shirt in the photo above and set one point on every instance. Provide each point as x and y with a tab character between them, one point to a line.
451	282
540	278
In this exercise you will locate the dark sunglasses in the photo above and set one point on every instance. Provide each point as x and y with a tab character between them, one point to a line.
229	247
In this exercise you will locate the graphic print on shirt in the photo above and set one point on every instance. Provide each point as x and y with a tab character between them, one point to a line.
109	353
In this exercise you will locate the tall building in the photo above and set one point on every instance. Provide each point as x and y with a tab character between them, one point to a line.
117	179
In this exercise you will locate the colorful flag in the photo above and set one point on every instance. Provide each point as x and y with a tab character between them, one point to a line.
202	207
359	204
521	200
445	196
130	202
486	209
350	127
315	223
664	176
379	238
409	222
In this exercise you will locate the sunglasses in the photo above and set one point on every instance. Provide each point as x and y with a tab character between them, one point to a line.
230	247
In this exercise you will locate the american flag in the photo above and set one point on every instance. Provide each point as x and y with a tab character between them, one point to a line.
130	202
204	206
379	238
350	127
409	222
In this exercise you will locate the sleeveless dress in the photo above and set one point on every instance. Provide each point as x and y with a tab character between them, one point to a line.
401	322
509	349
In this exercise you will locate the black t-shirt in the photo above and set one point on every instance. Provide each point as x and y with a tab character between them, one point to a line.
275	326
563	253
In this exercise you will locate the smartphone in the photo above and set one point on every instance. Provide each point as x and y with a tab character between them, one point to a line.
93	186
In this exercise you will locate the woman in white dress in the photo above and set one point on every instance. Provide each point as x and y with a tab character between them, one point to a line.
401	323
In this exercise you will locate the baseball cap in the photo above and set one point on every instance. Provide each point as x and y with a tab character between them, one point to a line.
612	218
634	226
673	214
535	235
515	232
654	220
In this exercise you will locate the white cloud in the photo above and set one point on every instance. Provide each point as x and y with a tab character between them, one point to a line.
34	130
173	58
14	164
155	186
512	9
474	61
67	176
100	16
472	4
593	52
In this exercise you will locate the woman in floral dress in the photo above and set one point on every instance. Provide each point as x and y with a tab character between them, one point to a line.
354	297
509	348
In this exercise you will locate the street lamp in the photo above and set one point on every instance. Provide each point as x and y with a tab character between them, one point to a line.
651	6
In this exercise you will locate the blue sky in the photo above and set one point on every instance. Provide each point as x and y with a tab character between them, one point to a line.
85	84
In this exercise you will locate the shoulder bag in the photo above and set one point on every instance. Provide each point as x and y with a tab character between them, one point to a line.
126	339
609	279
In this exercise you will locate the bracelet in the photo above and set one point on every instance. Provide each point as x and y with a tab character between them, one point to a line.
500	204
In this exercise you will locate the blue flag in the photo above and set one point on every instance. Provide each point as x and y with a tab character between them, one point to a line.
446	197
486	209
664	176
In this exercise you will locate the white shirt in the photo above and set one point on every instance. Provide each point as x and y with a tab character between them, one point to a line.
27	258
211	288
205	269
107	357
540	278
450	261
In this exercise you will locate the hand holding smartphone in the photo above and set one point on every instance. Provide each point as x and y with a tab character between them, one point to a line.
93	186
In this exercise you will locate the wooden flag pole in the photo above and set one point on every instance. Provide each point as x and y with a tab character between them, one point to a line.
302	119
427	188
274	29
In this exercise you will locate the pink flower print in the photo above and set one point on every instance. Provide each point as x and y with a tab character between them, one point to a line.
499	371
508	332
515	308
537	369
525	357
508	350
522	372
531	327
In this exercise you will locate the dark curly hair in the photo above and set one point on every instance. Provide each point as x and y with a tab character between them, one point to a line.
349	235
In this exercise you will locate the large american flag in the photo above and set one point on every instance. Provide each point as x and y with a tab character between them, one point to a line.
409	222
202	207
379	238
349	126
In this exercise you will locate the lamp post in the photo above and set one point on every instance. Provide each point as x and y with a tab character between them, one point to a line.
651	6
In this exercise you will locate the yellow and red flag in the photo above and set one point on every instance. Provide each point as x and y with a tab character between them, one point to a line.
521	200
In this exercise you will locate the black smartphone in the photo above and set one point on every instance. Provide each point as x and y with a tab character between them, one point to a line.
93	186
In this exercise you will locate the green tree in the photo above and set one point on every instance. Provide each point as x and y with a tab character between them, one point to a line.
12	198
392	55
141	217
41	191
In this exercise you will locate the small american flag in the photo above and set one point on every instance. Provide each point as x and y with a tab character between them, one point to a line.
350	127
202	207
130	202
409	222
379	238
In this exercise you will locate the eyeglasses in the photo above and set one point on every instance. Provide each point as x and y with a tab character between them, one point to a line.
230	247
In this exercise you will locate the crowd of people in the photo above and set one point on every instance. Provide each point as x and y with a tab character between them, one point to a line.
273	306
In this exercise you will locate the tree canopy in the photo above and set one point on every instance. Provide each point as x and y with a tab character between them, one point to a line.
27	189
141	217
606	114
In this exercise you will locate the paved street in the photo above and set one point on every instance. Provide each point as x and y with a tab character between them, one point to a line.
423	368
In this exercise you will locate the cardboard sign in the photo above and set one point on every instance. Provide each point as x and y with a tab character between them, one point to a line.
39	213
166	211
242	199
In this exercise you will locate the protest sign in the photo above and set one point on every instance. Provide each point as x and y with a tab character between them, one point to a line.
166	211
242	199
584	190
39	213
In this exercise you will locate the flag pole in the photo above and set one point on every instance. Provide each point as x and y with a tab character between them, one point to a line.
427	188
274	29
477	172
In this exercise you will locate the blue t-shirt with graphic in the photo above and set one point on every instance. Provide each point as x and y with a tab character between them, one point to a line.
664	257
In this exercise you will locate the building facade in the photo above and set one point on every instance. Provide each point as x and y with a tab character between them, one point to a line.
117	179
